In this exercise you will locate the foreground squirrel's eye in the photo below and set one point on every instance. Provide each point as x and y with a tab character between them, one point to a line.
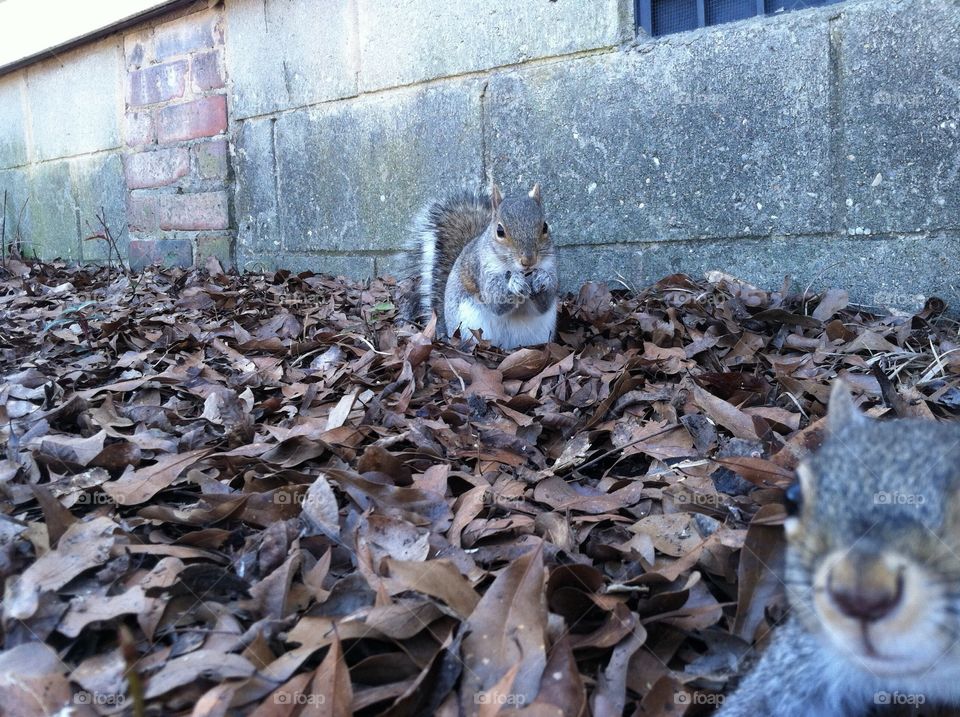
501	232
793	499
546	228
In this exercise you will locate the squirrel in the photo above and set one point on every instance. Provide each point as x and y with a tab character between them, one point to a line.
872	574
485	263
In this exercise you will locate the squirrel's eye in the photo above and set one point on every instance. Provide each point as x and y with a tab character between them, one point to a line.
501	232
546	228
793	499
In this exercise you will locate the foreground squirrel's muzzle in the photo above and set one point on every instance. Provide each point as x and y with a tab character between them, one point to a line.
865	587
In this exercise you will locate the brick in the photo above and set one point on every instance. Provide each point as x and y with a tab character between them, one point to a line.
205	117
220	247
138	48
166	252
203	210
156	169
206	72
140	130
197	31
210	159
158	83
143	212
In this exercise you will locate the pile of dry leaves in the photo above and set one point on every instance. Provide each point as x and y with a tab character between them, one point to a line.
256	495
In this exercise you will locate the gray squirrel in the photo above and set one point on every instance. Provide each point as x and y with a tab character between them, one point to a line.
872	575
488	263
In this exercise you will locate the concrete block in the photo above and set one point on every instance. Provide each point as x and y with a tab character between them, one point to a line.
16	184
352	175
899	65
13	124
255	198
406	41
98	184
274	64
617	265
76	101
54	221
898	272
693	137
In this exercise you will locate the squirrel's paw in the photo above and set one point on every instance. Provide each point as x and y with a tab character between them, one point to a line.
517	286
541	281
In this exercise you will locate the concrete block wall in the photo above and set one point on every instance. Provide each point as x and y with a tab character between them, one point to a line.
823	144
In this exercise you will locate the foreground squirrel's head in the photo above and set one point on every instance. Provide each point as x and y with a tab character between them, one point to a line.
521	235
873	564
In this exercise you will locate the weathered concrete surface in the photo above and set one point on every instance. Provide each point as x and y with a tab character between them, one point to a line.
406	41
352	175
53	230
98	184
899	65
896	271
76	101
255	198
13	126
289	53
681	140
16	182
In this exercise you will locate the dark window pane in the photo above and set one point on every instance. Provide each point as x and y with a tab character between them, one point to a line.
775	5
674	16
728	10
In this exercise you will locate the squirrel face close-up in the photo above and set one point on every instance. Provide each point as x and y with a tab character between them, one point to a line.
521	235
873	557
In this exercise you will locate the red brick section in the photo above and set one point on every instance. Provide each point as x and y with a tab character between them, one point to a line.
205	117
177	160
206	210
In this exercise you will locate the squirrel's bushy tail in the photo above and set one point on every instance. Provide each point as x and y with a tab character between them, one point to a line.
439	233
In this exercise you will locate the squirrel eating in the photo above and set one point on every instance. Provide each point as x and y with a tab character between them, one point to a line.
872	566
485	263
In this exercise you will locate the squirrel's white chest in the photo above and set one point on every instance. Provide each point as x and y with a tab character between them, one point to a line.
524	326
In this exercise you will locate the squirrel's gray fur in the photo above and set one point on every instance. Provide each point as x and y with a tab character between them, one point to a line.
484	262
872	576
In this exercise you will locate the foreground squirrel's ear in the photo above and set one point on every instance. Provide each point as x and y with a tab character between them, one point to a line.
535	193
841	410
496	197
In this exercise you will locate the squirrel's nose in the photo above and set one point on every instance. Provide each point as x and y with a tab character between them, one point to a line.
865	591
527	261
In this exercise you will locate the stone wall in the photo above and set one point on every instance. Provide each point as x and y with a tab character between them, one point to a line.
823	143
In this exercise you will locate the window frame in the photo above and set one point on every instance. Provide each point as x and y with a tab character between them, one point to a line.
644	14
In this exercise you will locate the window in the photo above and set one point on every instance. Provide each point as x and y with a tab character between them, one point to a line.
663	17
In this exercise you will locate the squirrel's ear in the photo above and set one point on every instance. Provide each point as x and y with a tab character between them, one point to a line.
496	197
535	193
842	411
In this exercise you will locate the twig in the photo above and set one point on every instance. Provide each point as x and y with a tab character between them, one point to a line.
634	442
3	229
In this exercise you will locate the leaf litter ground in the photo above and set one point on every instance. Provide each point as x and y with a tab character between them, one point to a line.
257	495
